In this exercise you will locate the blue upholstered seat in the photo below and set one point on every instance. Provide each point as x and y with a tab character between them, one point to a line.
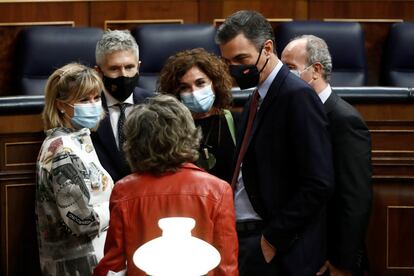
398	56
41	50
159	41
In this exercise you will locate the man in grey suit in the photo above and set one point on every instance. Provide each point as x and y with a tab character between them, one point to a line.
349	210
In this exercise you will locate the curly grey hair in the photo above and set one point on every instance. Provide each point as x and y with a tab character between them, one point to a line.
160	136
112	41
317	51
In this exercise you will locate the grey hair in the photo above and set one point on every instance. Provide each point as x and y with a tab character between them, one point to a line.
317	51
252	24
160	136
113	41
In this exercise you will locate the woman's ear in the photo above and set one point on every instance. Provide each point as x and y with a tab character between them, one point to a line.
60	106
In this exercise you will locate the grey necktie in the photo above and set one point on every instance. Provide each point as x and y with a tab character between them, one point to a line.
121	121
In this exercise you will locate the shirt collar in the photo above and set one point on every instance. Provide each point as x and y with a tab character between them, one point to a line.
264	87
111	101
324	95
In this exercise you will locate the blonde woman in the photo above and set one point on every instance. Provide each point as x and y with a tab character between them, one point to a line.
73	189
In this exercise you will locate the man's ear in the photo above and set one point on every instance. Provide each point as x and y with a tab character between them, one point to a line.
268	47
317	70
98	69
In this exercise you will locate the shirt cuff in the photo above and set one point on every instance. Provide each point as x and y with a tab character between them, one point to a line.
119	273
102	210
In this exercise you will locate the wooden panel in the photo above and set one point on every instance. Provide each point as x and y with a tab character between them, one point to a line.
45	12
212	9
273	21
102	11
384	231
388	9
392	132
21	123
383	113
400	238
129	24
19	250
19	152
393	140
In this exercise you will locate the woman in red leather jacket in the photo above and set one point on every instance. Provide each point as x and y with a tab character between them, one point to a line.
162	141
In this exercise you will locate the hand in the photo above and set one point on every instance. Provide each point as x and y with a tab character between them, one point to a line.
268	250
333	271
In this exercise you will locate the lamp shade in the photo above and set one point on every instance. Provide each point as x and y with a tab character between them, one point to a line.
176	252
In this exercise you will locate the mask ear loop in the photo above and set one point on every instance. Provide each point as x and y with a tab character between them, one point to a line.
258	58
260	54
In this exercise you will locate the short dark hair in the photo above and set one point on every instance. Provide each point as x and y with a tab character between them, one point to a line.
252	24
160	136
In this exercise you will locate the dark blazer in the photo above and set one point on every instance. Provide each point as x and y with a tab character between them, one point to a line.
111	158
288	174
350	207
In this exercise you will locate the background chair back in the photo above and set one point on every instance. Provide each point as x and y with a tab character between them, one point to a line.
398	56
345	42
41	50
159	41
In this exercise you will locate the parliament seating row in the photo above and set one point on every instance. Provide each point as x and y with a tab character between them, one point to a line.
40	50
387	111
33	104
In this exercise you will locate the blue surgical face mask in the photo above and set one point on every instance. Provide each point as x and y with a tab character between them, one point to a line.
299	73
295	72
199	101
86	115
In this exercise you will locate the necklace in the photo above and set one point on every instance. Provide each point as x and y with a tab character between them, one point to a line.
207	160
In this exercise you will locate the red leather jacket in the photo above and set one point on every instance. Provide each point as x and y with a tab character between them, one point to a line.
139	201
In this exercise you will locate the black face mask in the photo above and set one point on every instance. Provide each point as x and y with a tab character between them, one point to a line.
121	87
247	76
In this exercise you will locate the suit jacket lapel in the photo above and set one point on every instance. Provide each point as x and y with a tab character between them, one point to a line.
107	138
331	102
271	95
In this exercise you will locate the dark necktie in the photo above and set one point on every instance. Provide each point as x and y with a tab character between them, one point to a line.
246	137
121	121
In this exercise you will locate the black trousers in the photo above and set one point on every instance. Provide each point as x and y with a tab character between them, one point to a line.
251	259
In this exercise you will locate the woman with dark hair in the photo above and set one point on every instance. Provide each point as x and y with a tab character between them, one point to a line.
161	142
202	82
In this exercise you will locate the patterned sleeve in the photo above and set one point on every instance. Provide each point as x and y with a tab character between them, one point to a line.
72	195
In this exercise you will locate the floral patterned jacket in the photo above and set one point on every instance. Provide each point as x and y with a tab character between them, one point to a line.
72	203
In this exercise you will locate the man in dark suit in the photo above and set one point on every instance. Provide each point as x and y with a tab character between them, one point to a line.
283	177
349	209
117	59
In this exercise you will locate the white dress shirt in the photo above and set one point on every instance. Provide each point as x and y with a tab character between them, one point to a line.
115	112
243	206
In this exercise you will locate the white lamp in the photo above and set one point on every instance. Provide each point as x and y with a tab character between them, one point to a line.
176	252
